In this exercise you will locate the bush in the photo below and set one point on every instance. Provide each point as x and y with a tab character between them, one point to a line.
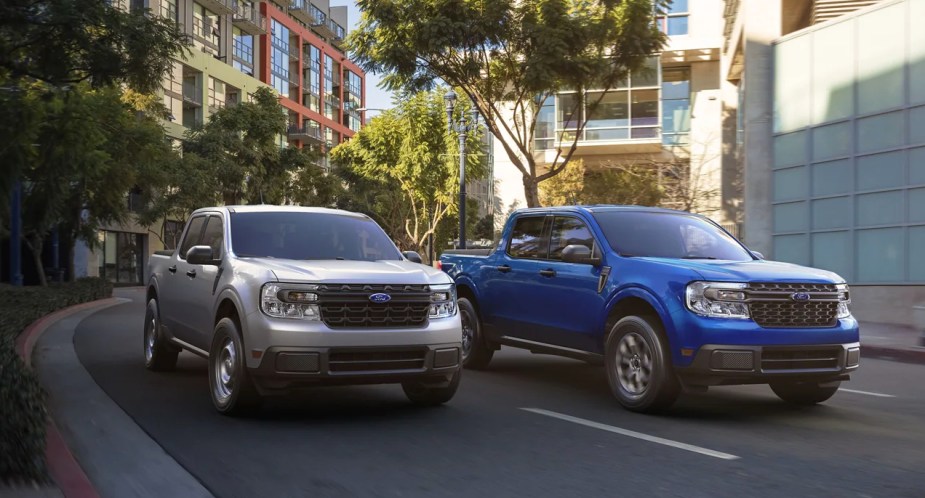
22	400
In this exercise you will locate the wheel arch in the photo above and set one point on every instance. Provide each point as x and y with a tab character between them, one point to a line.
639	302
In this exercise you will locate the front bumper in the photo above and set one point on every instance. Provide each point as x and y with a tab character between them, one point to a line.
716	364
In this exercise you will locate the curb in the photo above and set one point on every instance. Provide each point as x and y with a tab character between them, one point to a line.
63	467
903	355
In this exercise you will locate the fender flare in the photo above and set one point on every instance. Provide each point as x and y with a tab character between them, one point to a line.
230	294
650	298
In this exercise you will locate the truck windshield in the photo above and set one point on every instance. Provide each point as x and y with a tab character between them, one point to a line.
668	235
302	235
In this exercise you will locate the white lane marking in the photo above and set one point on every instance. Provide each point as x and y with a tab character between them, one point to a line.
634	434
879	395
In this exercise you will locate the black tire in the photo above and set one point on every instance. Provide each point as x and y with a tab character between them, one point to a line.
160	355
804	393
638	365
230	385
420	393
476	351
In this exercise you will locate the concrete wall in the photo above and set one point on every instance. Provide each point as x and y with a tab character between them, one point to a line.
706	138
886	304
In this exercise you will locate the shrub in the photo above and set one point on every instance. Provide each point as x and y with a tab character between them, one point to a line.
22	400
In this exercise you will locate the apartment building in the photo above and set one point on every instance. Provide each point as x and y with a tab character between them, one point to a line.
239	46
670	114
829	130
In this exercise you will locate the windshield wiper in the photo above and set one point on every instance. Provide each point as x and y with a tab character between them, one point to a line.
699	257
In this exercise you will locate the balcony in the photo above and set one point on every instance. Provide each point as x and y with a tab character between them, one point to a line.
220	7
301	10
248	19
339	33
293	51
308	135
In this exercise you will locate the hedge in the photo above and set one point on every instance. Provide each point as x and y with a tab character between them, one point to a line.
22	400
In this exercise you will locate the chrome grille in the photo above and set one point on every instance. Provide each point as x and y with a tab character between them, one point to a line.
800	359
348	305
367	361
771	305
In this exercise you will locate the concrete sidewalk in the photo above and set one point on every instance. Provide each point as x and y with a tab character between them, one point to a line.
892	342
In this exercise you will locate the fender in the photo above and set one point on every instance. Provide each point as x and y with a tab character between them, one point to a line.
228	292
649	297
466	280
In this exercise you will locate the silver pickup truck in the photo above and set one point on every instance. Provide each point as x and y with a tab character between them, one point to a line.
281	297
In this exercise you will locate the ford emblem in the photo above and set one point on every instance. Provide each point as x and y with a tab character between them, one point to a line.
800	296
380	298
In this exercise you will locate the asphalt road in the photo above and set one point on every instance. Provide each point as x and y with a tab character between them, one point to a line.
369	441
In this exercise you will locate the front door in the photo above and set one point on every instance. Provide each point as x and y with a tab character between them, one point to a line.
202	281
173	293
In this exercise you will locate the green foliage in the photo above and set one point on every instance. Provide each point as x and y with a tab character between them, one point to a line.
485	228
630	185
22	426
508	56
409	156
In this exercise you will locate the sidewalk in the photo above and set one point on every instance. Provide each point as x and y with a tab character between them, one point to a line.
892	342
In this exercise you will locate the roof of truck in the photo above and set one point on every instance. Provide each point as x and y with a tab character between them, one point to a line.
597	208
269	208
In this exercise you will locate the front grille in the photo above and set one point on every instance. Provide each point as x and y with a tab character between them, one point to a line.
348	305
376	361
775	360
771	305
732	360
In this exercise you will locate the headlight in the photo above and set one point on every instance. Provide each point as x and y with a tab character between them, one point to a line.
717	299
844	299
290	301
443	301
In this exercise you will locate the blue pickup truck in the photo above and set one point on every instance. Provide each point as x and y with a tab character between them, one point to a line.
667	301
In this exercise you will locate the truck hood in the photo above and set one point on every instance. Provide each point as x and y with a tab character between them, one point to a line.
754	271
350	272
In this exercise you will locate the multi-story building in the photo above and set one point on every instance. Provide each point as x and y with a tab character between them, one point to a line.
828	99
238	47
668	115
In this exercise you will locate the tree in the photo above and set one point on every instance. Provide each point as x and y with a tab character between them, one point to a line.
612	183
509	57
410	147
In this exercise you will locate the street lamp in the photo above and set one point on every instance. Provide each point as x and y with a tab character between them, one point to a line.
462	128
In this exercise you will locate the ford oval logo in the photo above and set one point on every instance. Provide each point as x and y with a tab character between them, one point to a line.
800	296
380	298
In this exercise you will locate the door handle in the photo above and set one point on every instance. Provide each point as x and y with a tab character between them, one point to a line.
172	269
191	274
503	268
548	273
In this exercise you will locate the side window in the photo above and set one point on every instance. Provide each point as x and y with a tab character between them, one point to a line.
213	236
527	238
192	235
568	231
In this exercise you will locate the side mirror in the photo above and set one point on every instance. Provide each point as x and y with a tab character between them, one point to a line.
412	256
576	253
200	255
758	254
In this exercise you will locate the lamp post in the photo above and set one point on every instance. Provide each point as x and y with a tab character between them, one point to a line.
462	128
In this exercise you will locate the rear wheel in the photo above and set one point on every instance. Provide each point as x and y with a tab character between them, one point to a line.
424	394
638	366
476	352
233	391
159	354
804	393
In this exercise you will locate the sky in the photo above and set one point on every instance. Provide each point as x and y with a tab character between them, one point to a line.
376	98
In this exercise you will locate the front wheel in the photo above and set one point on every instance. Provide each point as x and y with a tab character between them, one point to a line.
159	355
804	393
420	393
233	391
638	366
476	352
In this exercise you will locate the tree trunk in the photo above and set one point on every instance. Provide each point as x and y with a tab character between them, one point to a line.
71	264
36	246
531	192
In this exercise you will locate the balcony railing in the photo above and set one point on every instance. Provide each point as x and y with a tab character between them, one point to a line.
301	10
249	19
307	134
338	32
218	6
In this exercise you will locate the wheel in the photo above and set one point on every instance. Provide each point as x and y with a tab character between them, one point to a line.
476	352
159	354
427	395
638	366
233	391
804	393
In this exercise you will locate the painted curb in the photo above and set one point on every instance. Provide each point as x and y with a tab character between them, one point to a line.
63	467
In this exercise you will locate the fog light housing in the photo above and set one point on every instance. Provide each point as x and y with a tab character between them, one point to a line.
854	358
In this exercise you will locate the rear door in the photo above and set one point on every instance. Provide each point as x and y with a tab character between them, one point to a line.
173	289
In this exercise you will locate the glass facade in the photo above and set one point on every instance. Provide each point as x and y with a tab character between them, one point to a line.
353	99
206	30
279	58
243	51
675	21
121	257
312	96
849	147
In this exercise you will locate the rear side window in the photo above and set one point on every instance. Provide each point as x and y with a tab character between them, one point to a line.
192	235
213	236
527	240
568	231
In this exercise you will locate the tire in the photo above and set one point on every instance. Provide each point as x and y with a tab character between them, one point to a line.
638	366
804	393
423	395
476	352
160	355
230	385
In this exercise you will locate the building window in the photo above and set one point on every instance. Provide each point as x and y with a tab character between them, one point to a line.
674	23
121	256
676	105
546	124
217	94
311	97
279	58
331	89
353	99
169	10
206	30
243	52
